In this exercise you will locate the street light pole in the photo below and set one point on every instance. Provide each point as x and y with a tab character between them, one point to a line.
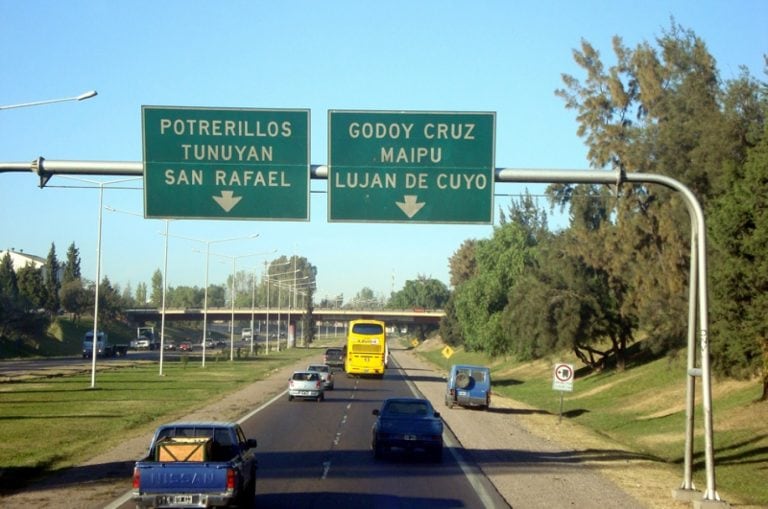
95	344
81	97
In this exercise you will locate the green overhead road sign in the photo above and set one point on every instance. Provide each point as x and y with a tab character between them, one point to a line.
411	167
225	163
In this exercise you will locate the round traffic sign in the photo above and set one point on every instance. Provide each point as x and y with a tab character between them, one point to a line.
564	372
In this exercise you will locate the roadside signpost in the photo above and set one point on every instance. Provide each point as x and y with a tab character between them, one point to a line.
411	167
562	380
226	163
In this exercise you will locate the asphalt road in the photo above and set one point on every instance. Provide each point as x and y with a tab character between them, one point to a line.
317	455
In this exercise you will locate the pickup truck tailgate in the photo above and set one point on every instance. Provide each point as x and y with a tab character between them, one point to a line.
182	477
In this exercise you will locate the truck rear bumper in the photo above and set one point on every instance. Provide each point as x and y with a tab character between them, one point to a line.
182	500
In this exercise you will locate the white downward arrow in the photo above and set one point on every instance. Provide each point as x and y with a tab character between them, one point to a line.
410	207
227	201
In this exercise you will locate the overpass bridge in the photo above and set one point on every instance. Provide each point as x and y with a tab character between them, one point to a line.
415	316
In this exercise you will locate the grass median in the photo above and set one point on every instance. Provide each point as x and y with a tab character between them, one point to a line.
56	420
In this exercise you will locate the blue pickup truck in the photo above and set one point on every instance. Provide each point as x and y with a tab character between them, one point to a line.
197	464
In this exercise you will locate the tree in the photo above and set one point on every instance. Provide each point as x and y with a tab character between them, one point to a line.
141	294
72	265
450	328
11	312
75	298
156	298
31	286
217	296
127	295
563	303
463	265
740	272
185	297
9	288
110	304
52	284
423	292
480	301
661	111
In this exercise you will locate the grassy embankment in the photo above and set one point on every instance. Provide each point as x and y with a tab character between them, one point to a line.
643	408
55	420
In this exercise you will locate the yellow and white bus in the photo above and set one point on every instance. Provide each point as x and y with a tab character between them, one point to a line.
367	352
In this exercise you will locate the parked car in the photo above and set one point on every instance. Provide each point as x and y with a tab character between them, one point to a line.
326	373
409	424
306	385
170	346
334	357
468	386
185	346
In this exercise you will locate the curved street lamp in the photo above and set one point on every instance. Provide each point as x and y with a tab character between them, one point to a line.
81	97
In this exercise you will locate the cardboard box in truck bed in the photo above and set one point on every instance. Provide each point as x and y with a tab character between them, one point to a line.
183	449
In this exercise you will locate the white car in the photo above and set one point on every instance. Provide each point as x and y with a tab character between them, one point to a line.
325	372
306	385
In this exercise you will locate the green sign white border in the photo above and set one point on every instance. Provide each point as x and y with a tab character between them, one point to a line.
491	176
305	218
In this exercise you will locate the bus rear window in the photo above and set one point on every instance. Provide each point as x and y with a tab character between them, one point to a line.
368	329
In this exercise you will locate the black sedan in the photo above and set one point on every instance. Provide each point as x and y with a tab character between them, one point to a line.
409	424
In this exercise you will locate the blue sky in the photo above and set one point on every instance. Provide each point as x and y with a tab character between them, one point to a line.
505	57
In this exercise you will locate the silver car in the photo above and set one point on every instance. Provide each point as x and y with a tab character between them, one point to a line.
325	372
306	385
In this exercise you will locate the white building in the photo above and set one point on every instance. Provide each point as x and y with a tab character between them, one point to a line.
21	259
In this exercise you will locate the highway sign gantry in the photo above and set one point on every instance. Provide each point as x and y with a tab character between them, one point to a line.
411	167
226	163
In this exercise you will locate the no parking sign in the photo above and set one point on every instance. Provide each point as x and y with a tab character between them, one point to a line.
563	377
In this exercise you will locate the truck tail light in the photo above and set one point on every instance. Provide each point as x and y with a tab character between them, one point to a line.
231	479
319	383
136	478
